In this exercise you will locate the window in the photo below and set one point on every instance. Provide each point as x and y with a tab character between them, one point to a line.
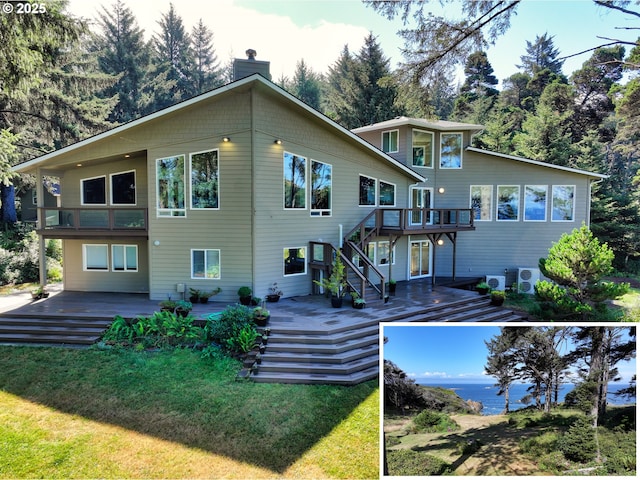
390	141
320	188
422	149
367	191
170	187
387	194
295	181
124	258
94	191
535	203
295	261
123	188
450	150
205	264
95	258
481	199
203	168
563	203
508	202
378	253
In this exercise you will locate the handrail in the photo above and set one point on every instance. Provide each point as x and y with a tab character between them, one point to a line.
93	218
360	229
368	266
430	218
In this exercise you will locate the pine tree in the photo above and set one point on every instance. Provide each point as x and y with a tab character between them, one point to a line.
341	90
541	54
206	66
306	85
123	53
502	362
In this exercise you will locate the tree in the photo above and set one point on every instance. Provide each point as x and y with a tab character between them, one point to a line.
502	363
577	264
541	55
341	90
123	53
477	94
205	73
306	85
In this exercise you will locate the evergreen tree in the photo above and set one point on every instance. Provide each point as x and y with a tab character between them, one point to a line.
123	53
477	94
341	90
205	74
306	85
541	55
502	362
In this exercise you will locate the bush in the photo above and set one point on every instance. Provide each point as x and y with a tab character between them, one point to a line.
540	445
430	421
233	329
578	444
20	259
162	329
409	462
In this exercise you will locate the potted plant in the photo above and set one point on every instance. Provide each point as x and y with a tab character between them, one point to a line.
168	305
183	307
392	286
194	295
497	297
39	293
244	295
336	284
274	293
357	301
483	288
203	296
261	316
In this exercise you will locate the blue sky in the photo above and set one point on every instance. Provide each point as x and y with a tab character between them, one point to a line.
448	354
284	31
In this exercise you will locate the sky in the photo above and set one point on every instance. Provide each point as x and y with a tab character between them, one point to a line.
456	353
285	31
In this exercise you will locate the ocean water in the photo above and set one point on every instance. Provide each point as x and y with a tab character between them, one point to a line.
493	403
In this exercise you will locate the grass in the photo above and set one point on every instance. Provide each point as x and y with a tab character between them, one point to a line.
114	413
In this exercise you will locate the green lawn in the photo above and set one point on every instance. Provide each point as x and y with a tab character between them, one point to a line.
78	413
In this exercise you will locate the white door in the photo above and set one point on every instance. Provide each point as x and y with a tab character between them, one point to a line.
420	255
420	198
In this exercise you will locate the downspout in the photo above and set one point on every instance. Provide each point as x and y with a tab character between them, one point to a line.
340	237
253	189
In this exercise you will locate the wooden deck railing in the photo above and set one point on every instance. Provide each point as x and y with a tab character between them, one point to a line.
124	219
424	219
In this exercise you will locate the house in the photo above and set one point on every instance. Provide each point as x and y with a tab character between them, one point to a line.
247	185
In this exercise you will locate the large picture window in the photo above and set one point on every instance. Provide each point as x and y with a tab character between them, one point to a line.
390	141
123	188
170	186
508	204
203	168
95	257
535	203
205	264
563	203
295	260
367	191
422	149
320	188
124	258
295	181
481	198
387	194
450	150
94	191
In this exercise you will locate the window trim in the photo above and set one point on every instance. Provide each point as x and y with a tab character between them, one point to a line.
82	199
190	170
413	147
524	203
573	203
459	135
379	193
284	272
490	187
125	246
375	194
397	132
204	250
85	268
319	212
284	188
171	212
135	183
519	190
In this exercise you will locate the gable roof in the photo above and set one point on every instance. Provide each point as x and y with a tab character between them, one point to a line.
441	125
253	80
537	163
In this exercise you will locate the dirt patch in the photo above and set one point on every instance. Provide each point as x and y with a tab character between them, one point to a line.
498	453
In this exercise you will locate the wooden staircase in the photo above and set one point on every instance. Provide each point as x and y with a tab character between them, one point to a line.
26	329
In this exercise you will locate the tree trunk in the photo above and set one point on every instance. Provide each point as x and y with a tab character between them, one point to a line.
506	399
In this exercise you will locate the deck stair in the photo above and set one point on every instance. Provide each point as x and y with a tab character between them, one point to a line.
349	355
25	329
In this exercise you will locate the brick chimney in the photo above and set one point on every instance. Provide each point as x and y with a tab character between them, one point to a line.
243	68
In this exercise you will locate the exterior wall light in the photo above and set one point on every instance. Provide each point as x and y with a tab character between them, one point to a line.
226	139
441	190
440	242
277	141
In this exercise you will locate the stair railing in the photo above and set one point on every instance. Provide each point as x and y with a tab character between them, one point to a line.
369	270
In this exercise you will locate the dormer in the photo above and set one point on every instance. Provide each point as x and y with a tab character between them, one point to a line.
422	144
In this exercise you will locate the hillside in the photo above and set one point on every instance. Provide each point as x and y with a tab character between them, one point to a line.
447	401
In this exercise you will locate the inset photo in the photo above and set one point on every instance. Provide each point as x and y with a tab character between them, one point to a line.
508	400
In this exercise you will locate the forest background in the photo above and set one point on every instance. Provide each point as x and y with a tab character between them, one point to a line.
62	80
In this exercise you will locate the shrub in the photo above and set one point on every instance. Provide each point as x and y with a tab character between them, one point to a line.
540	445
578	444
430	421
409	462
233	328
161	329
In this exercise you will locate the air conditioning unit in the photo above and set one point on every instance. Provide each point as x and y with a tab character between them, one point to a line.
527	278
496	282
